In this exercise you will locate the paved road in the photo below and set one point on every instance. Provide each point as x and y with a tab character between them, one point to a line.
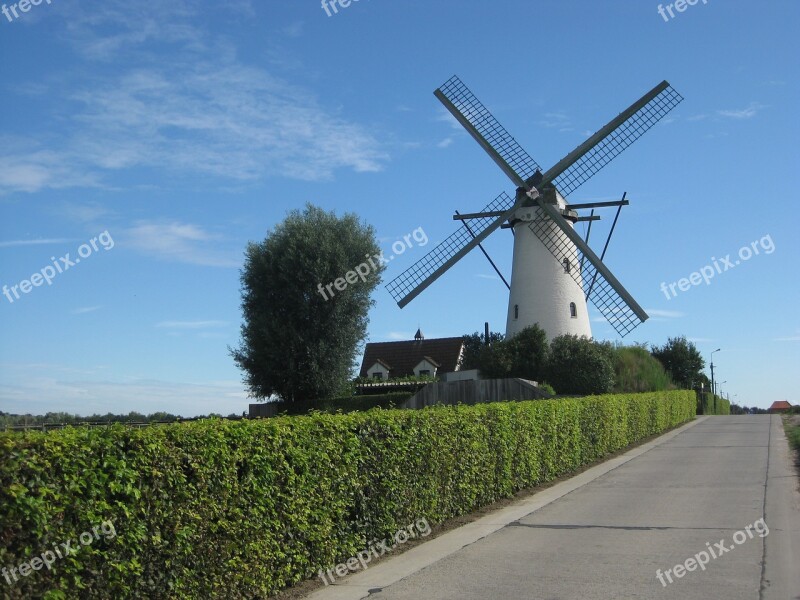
605	533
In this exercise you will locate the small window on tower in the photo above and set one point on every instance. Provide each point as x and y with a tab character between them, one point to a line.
573	310
567	265
516	311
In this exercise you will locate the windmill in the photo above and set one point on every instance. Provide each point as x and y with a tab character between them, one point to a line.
554	271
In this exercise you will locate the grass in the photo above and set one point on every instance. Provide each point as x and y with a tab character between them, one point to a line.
791	424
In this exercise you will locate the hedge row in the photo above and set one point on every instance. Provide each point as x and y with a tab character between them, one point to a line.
348	403
243	509
710	404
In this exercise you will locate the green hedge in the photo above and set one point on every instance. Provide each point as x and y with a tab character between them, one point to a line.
243	509
710	404
347	403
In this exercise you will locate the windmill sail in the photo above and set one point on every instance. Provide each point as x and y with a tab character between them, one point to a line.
598	150
599	284
491	135
408	285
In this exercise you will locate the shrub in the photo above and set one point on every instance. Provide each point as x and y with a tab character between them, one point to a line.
709	404
636	370
345	403
578	365
242	509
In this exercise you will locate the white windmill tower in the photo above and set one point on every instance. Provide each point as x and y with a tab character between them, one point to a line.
554	270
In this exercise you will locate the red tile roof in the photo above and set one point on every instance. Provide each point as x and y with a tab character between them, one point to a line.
780	405
402	357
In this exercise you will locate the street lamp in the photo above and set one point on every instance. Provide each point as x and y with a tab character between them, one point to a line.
713	389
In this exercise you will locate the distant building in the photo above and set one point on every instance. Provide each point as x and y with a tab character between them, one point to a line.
780	406
417	357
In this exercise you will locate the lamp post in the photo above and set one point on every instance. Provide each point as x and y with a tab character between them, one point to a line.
713	388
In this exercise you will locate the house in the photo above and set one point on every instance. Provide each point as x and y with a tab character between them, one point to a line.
417	357
779	406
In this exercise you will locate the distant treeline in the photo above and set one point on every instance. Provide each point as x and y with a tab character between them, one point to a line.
8	420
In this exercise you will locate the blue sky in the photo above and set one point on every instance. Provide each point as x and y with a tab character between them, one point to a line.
186	129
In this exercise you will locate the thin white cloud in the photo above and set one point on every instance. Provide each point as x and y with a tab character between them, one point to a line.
85	309
193	110
191	324
557	120
28	167
293	30
664	314
742	113
180	242
445	142
444	116
37	242
399	335
83	212
791	338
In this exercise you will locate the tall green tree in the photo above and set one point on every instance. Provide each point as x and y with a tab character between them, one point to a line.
306	292
682	361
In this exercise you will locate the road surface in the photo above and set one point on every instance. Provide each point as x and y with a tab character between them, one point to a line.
719	491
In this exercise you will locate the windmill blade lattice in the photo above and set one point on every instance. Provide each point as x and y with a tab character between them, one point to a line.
492	132
402	285
664	99
595	286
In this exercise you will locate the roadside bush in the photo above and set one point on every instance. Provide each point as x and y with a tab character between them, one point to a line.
346	404
578	365
242	509
636	370
709	404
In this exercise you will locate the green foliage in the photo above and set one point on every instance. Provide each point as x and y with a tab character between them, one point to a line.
346	403
295	343
682	361
578	365
709	404
242	509
636	370
792	428
523	355
403	379
474	345
547	388
527	352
